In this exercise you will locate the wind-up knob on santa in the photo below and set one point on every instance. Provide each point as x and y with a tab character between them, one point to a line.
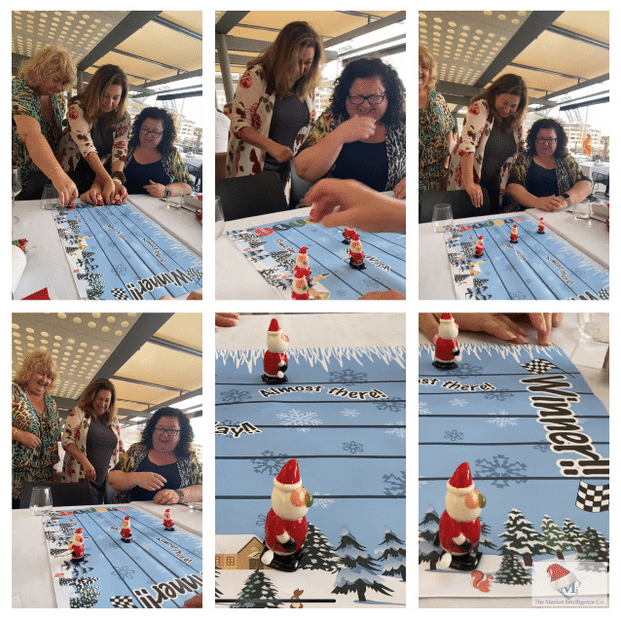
447	354
77	545
126	530
275	359
460	527
285	524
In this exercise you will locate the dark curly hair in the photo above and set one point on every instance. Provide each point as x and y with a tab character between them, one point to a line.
166	144
561	137
371	67
186	435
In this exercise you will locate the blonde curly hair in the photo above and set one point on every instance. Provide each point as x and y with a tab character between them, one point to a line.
35	361
49	63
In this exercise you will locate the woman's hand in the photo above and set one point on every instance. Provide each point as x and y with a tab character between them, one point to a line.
550	204
90	474
90	196
149	481
27	439
121	190
476	194
108	190
166	497
356	128
280	152
157	190
399	190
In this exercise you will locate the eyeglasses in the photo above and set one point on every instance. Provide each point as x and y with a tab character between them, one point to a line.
372	99
167	432
547	141
156	134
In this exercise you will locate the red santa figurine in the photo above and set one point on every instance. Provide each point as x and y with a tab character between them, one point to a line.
541	228
169	525
479	247
117	199
300	289
447	354
285	524
514	234
275	359
347	234
77	545
356	254
460	527
99	199
302	265
126	530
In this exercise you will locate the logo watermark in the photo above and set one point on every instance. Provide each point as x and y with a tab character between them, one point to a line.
570	583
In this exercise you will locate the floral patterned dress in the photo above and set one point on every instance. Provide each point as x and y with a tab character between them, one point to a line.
190	468
476	130
435	123
26	103
34	465
77	143
395	144
75	432
253	106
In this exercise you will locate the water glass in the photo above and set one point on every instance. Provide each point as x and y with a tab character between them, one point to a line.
219	218
40	500
594	327
582	212
442	217
49	198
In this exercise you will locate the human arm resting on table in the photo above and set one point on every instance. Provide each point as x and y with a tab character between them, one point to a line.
168	496
122	481
40	152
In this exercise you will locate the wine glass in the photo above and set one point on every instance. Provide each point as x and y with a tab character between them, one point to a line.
442	217
15	189
219	218
40	500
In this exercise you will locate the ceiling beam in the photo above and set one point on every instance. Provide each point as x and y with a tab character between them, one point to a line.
229	20
395	18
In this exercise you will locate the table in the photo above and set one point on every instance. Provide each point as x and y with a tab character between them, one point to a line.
44	247
436	283
588	357
31	568
589	167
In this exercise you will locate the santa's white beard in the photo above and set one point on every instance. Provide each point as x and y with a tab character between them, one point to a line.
448	331
284	508
456	508
276	343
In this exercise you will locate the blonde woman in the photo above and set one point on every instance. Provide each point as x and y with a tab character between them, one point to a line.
35	428
38	111
273	108
93	149
91	438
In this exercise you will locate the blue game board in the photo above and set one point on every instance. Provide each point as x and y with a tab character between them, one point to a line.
342	415
272	250
157	569
538	266
536	439
118	253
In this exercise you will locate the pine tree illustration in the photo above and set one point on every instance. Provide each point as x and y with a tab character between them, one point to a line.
486	539
595	546
318	552
573	534
511	571
358	571
218	592
393	555
428	552
554	537
259	591
522	538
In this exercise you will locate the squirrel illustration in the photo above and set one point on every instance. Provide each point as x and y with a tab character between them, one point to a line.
480	582
296	596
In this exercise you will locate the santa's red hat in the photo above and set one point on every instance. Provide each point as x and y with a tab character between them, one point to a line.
274	326
446	317
560	577
126	520
289	477
78	531
461	483
303	250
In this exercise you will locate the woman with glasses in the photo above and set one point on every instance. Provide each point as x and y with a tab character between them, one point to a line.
93	148
38	111
91	438
154	165
273	109
546	177
491	137
163	467
361	135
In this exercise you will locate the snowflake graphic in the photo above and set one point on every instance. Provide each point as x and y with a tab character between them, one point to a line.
543	446
349	413
352	447
422	408
123	572
323	501
500	470
269	463
394	484
391	404
299	419
499	394
465	369
348	377
458	402
517	296
502	421
234	395
398	429
454	435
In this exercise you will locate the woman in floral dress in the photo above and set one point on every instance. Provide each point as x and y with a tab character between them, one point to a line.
273	109
93	149
35	424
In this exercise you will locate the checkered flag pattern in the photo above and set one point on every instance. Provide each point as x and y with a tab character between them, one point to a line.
592	498
538	366
120	294
122	601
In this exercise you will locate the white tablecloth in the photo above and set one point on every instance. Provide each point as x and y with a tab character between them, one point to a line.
434	269
46	261
32	580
